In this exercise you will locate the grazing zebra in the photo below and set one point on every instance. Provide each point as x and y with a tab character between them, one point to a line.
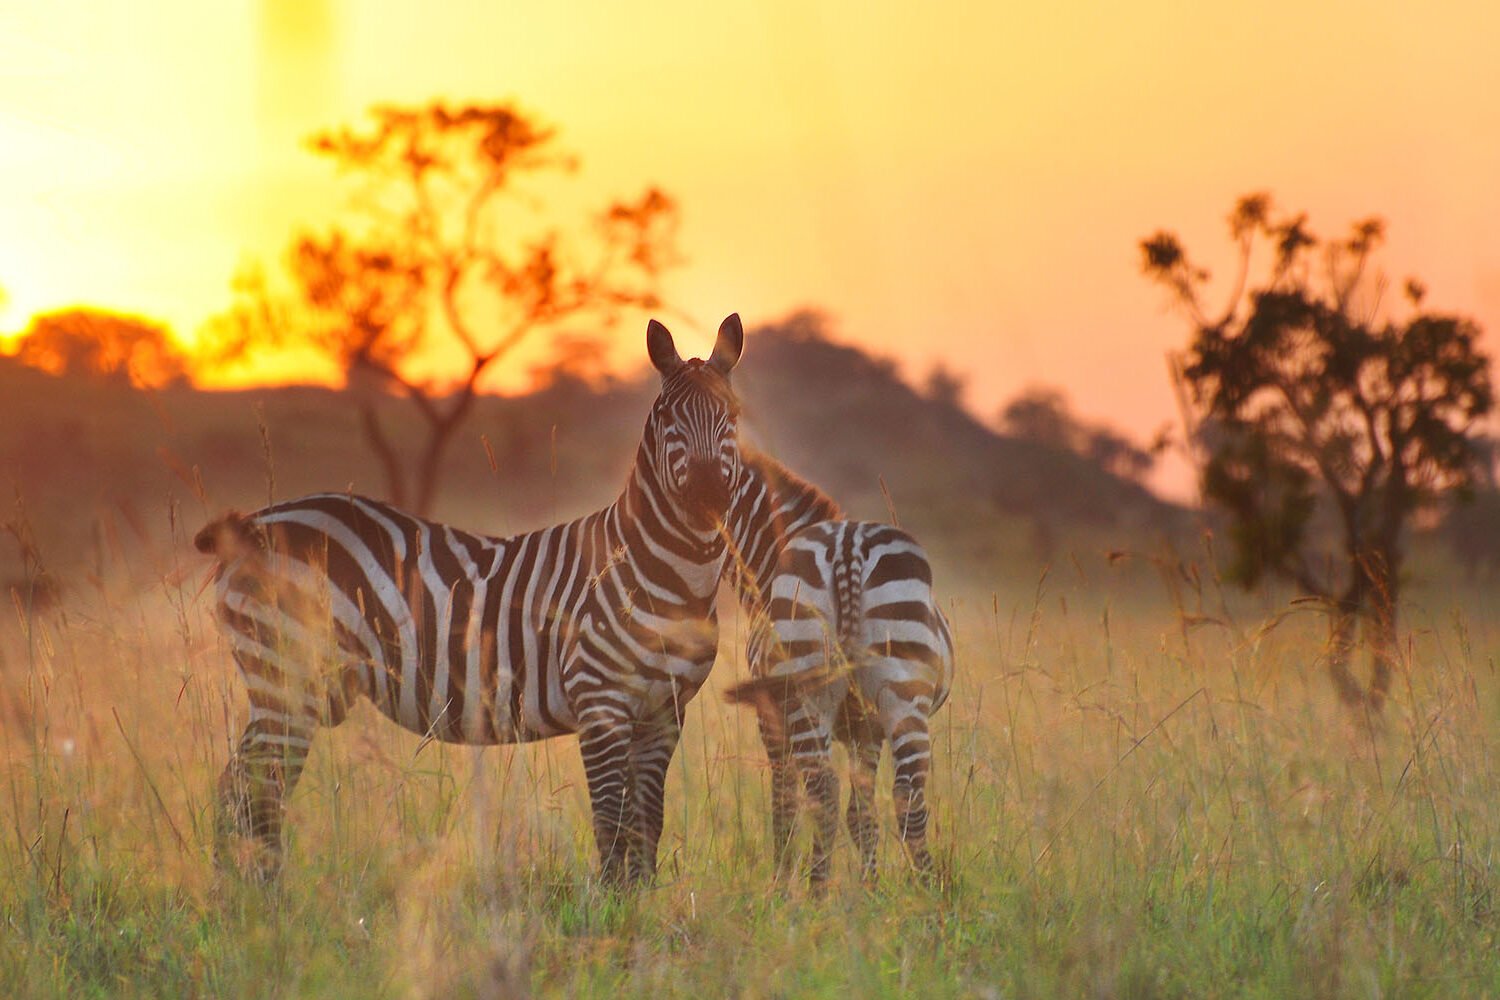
604	626
853	646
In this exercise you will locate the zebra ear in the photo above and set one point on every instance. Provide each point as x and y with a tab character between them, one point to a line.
661	348
729	345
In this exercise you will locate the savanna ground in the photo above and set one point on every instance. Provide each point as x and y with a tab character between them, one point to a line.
1143	788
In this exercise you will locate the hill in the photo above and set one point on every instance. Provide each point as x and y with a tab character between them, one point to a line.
849	422
97	468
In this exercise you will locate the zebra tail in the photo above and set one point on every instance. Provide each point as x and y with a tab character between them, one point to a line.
778	689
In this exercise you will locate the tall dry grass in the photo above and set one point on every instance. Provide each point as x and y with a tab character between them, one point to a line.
1142	788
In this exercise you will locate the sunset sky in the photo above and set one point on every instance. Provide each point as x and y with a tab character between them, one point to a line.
954	181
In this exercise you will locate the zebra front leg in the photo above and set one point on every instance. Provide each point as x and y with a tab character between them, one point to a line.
651	755
260	776
604	737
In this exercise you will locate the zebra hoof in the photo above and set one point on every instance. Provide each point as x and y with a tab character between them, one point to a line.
247	859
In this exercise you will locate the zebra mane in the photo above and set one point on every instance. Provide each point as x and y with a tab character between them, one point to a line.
771	504
786	485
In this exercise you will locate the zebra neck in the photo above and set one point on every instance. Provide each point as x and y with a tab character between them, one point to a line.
771	505
693	555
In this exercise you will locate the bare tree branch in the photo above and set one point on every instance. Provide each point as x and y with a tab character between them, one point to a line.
423	259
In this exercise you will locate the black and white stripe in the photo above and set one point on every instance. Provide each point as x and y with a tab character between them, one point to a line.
852	646
604	626
770	504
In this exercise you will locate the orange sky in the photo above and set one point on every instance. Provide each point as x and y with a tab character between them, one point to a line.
950	180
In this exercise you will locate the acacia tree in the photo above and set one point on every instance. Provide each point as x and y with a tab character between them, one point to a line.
442	258
1315	410
98	344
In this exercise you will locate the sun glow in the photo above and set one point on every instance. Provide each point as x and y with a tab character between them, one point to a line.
954	182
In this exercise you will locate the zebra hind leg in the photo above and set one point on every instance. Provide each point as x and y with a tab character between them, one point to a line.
911	750
856	727
811	747
285	713
864	824
771	718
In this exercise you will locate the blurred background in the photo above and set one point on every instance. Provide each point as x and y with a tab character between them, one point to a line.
411	249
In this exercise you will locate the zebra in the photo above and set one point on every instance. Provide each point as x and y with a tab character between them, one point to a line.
852	645
604	626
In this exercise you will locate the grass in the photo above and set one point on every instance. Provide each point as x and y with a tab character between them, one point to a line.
1141	791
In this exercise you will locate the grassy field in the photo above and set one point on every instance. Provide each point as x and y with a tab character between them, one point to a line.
1142	790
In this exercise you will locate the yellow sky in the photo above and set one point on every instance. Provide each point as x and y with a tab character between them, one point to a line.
951	180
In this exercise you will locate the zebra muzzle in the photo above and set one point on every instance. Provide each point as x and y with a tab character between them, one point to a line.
705	492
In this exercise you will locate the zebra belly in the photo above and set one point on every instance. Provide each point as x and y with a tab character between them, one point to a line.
495	704
479	669
443	731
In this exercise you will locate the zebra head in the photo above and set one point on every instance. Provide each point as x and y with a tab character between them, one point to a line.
692	435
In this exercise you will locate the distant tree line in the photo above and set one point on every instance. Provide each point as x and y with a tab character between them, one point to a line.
1043	414
1326	409
95	343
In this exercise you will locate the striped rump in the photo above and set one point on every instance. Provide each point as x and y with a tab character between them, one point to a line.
853	646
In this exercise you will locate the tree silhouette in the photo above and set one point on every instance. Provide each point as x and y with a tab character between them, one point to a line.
1042	414
945	386
1468	526
579	359
1313	410
102	345
444	257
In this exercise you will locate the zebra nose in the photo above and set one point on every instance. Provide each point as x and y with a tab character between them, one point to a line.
703	472
706	482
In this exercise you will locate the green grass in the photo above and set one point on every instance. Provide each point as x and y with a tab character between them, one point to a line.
1137	795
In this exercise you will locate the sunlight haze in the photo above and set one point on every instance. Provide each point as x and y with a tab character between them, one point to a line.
954	182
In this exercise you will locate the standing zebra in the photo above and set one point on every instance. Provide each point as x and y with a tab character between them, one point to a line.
604	626
853	646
